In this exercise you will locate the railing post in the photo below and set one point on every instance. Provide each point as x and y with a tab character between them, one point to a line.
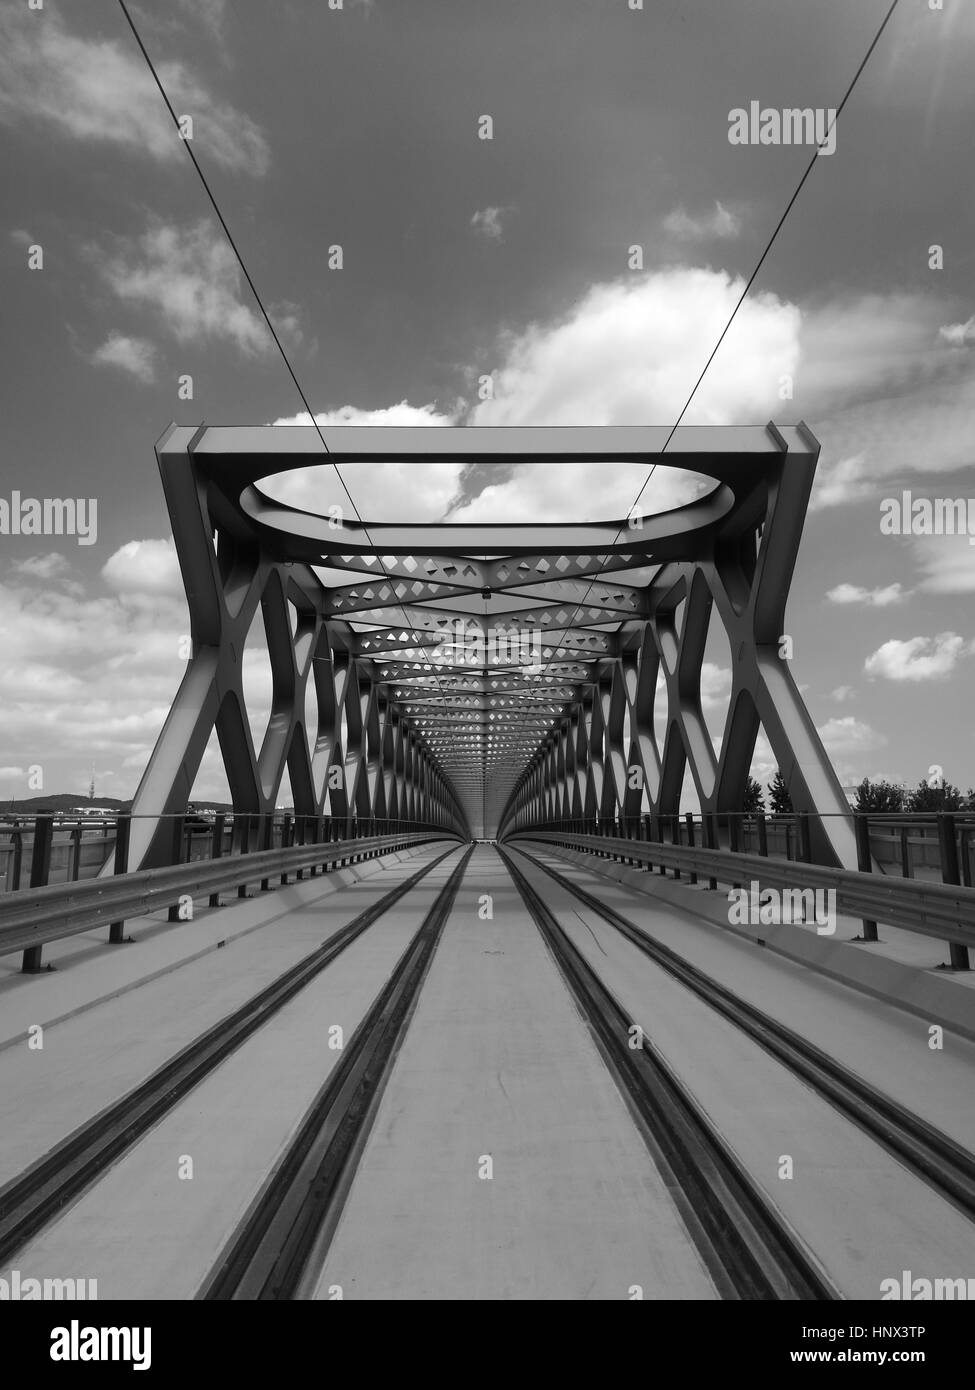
40	869
327	840
734	841
675	838
76	835
177	834
299	839
950	874
286	841
315	827
762	835
123	827
216	850
708	828
265	840
689	822
17	842
243	844
861	826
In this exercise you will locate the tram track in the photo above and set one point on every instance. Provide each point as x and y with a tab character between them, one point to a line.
279	1249
291	1220
926	1151
749	1250
35	1197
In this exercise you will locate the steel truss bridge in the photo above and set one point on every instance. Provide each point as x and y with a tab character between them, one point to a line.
636	1015
426	708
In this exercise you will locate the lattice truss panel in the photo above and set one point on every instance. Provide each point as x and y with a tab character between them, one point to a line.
489	677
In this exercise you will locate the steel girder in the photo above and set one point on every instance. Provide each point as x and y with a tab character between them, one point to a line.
424	695
364	758
584	766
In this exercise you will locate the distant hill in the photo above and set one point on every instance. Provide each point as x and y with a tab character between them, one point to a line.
60	802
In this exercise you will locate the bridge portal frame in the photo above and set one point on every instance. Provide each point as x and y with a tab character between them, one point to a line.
415	736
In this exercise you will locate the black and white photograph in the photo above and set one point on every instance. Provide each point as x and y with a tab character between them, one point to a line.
487	758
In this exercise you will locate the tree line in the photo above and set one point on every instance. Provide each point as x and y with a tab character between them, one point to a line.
874	797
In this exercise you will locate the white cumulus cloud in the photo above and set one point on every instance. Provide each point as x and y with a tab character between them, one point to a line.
959	334
917	658
840	482
191	277
489	223
946	563
846	735
53	565
629	352
101	90
720	224
137	356
868	598
144	572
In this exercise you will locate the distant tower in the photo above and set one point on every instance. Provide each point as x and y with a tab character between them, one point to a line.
91	784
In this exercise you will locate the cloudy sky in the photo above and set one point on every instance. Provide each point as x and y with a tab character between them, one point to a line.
464	258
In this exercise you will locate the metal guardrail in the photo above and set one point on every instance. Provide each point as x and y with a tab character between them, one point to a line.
78	850
55	848
912	843
945	911
31	918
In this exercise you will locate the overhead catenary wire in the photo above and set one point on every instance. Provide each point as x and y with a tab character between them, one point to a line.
741	299
408	626
284	356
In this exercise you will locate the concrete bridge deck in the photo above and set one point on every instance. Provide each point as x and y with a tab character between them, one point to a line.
500	1159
